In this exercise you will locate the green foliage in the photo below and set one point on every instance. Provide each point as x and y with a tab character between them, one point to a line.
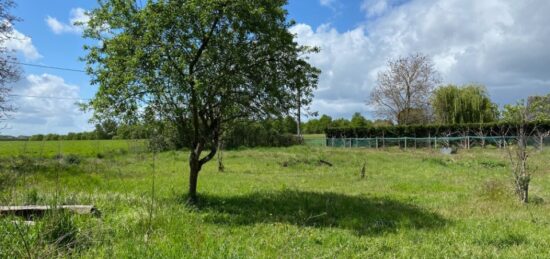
71	159
265	133
198	65
246	46
537	108
107	129
358	121
317	126
38	137
465	104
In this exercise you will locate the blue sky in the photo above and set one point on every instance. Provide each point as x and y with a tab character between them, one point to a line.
499	43
64	49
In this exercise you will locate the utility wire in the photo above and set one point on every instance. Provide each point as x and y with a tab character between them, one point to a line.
48	67
48	97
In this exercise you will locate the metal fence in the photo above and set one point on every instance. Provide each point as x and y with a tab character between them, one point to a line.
433	142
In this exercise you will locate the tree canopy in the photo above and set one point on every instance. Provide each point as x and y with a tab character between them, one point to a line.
201	65
536	108
403	89
467	104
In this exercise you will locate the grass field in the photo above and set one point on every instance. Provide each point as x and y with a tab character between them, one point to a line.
277	203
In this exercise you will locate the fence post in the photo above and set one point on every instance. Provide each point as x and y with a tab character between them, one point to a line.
405	143
376	142
435	143
468	141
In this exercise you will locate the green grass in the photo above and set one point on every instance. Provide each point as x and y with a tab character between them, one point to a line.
79	147
283	203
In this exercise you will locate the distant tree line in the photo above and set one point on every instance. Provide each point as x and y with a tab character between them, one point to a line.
318	126
244	133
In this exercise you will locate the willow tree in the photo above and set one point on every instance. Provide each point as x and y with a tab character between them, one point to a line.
467	104
200	65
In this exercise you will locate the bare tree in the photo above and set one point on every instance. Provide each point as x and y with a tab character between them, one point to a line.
403	90
519	154
9	72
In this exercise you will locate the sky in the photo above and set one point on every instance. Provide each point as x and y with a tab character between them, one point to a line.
502	44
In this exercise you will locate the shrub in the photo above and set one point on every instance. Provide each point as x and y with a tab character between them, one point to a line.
71	159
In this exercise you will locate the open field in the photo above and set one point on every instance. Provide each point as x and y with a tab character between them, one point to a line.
41	149
279	203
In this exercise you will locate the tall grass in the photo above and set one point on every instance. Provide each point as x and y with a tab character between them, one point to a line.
278	202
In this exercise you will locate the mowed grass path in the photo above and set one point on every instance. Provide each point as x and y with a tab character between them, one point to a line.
283	203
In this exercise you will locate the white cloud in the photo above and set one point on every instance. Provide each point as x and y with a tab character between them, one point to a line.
44	115
328	3
23	44
77	15
374	7
500	43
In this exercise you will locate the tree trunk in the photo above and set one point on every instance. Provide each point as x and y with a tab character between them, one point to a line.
525	198
221	168
194	168
299	115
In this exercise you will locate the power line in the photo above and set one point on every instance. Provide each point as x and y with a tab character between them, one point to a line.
48	67
49	97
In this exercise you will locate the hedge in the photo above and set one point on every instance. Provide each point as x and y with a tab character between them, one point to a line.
423	131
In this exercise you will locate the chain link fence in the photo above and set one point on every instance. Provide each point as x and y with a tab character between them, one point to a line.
465	142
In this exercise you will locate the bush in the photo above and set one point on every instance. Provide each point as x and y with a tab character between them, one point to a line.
259	134
71	159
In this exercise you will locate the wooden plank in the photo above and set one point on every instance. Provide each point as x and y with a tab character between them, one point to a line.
31	211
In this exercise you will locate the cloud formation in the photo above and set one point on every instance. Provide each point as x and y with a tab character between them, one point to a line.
21	43
327	3
39	115
373	8
499	43
77	15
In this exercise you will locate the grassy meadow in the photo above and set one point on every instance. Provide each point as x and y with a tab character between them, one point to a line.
272	203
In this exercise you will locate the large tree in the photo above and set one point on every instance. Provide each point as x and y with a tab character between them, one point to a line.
403	89
201	65
467	104
537	108
9	72
358	121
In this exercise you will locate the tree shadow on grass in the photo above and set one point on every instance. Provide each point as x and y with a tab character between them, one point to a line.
362	215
